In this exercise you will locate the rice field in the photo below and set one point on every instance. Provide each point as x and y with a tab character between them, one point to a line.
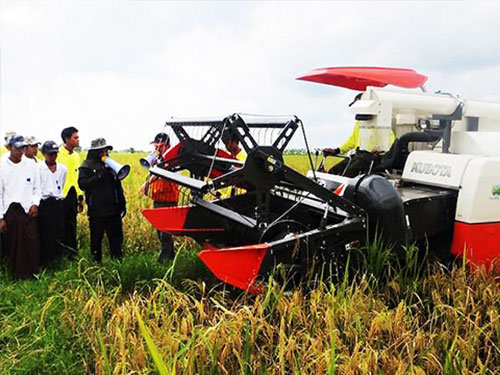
140	317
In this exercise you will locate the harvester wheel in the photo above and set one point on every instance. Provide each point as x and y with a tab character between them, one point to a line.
281	229
287	266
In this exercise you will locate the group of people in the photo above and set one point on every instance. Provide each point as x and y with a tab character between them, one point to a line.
40	200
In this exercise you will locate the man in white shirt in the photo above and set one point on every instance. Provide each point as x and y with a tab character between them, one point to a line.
51	210
19	200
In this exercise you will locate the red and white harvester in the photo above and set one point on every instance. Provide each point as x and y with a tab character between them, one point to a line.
438	183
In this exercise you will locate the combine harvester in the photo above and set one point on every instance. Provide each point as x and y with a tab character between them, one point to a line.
439	183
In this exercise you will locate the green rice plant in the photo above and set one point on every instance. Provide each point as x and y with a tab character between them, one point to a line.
247	350
332	367
375	258
153	350
453	363
104	353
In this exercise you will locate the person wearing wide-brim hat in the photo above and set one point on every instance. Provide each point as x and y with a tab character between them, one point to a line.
99	144
105	200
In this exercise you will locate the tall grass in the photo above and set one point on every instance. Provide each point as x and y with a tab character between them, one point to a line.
84	318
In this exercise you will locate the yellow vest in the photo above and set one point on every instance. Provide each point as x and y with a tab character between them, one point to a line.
242	156
353	141
233	190
72	163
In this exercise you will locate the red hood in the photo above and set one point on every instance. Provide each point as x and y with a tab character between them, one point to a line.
358	78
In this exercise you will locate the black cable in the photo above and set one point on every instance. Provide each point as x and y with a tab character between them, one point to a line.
308	150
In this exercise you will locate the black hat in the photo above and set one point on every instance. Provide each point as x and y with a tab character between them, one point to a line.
17	141
161	138
50	147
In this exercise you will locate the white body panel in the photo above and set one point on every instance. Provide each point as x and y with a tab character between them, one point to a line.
436	169
425	104
475	143
414	102
482	109
479	197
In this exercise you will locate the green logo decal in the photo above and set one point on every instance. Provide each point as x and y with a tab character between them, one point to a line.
495	190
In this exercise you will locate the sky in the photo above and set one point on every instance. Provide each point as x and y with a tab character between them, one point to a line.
120	69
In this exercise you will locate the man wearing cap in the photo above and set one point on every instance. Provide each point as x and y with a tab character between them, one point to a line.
72	195
19	200
5	151
50	212
31	151
105	200
163	193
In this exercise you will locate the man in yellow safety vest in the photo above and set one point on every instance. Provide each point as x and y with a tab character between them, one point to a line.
72	195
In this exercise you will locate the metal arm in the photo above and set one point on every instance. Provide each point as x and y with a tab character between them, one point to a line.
274	166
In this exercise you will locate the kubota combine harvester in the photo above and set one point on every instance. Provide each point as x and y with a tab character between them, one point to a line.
439	182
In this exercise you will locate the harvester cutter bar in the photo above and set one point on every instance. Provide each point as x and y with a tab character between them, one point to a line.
243	266
225	212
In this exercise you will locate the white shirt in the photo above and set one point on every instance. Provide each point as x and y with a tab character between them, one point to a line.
51	183
7	155
19	183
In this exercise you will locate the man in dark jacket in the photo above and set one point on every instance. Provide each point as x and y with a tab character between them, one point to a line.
105	200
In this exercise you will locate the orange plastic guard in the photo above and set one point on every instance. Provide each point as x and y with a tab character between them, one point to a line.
358	78
173	220
238	266
480	242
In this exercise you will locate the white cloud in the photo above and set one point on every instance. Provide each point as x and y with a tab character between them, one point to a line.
120	69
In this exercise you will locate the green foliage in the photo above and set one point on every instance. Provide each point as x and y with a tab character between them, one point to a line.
153	350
